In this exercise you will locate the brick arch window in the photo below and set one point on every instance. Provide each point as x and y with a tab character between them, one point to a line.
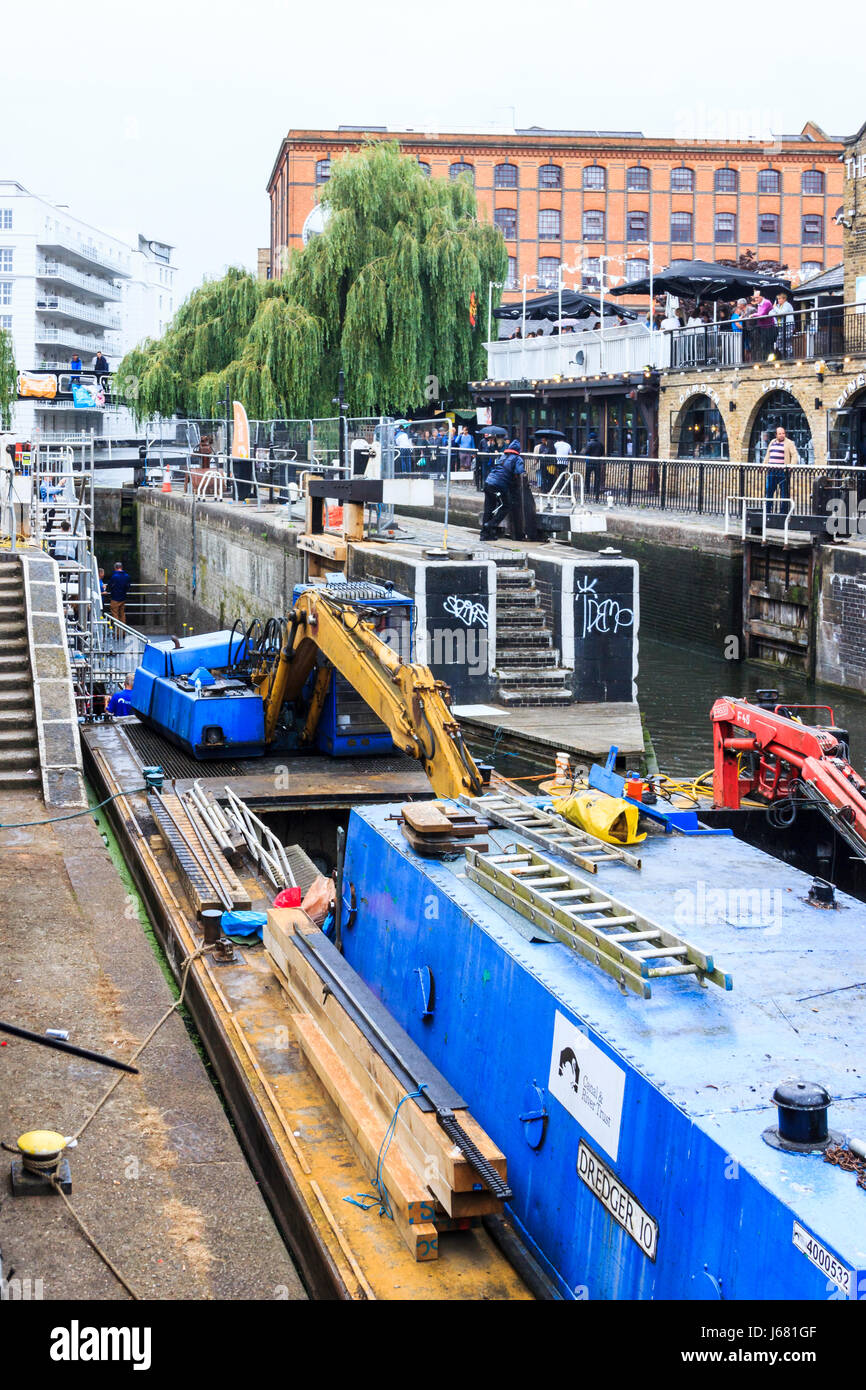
323	170
460	169
505	176
593	225
550	176
725	227
681	226
682	179
769	181
594	177
637	179
812	181
726	181
424	167
506	220
548	272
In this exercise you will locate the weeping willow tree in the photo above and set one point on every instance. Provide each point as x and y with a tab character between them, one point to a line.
384	292
8	380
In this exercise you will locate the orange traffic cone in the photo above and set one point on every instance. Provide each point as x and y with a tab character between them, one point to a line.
166	483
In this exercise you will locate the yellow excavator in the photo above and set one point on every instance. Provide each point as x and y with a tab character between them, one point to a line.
328	632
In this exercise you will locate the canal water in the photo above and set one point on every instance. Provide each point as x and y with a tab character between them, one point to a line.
677	687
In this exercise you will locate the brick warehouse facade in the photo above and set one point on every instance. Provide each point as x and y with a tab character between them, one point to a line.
574	198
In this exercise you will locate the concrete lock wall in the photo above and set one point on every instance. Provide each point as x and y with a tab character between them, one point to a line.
840	656
594	607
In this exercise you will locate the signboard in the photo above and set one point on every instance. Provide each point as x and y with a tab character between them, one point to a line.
622	1204
587	1082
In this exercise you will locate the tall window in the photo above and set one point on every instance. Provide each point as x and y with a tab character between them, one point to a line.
506	221
549	224
5	291
810	268
637	226
812	181
424	167
548	272
511	276
682	180
726	226
768	227
6	323
593	225
591	273
637	180
6	259
460	168
505	176
593	176
813	230
323	170
550	176
636	270
681	226
725	181
769	181
6	219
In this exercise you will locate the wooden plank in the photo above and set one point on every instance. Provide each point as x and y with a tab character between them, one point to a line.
426	818
412	1208
438	1163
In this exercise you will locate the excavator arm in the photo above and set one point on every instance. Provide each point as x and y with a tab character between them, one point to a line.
406	696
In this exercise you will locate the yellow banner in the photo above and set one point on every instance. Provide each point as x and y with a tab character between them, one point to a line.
241	433
45	387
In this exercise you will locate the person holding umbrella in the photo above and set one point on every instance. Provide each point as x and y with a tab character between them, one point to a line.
492	437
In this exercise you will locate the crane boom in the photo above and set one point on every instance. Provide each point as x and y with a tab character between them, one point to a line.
406	696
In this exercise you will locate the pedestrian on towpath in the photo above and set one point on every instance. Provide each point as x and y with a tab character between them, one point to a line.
594	453
497	488
118	586
780	458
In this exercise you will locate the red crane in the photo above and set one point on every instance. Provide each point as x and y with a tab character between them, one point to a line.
763	751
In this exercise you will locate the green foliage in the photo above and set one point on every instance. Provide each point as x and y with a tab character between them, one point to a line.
383	292
8	380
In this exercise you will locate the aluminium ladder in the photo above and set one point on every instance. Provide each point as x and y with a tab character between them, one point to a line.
629	947
549	831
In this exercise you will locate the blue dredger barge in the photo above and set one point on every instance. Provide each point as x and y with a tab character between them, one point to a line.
641	1133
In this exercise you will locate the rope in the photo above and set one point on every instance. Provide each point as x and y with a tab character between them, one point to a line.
88	1235
88	811
367	1200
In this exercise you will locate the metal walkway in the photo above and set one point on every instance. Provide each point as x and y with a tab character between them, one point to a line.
630	948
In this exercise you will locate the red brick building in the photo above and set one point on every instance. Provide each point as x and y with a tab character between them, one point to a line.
577	197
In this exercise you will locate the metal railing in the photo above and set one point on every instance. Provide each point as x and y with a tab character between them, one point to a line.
88	250
803	335
75	308
56	270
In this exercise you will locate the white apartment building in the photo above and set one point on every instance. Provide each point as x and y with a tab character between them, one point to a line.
67	288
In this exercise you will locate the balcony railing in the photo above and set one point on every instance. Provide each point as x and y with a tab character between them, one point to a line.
78	342
68	241
806	334
56	270
73	308
587	353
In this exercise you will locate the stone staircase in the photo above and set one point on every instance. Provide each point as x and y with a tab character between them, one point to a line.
19	745
527	663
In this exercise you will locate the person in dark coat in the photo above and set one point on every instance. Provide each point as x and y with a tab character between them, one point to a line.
594	452
498	488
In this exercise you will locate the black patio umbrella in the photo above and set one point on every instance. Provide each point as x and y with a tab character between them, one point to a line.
705	280
572	304
542	433
493	431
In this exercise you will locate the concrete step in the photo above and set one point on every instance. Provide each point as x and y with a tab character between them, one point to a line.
18	759
514	574
15	778
12	680
518	658
520	596
17	697
16	657
519	613
22	736
14	717
521	637
11	626
14	647
535	695
534	675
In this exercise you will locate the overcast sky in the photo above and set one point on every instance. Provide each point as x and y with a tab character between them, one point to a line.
166	116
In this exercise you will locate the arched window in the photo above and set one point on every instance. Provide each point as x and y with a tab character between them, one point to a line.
590	278
682	180
812	181
637	226
550	176
593	225
768	228
594	176
769	181
637	179
425	168
781	408
725	227
725	181
701	430
681	226
323	170
457	170
813	230
505	176
548	272
511	276
549	224
506	220
636	269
